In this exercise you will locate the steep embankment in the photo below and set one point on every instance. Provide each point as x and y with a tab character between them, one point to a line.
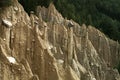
49	47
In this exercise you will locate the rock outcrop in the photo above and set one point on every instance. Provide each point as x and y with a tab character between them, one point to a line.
46	46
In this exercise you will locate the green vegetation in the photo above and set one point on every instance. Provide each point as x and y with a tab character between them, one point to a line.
30	5
103	14
118	67
5	3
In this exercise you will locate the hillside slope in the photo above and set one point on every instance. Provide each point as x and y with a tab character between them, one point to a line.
49	47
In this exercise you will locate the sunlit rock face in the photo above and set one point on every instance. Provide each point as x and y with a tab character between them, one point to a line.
46	46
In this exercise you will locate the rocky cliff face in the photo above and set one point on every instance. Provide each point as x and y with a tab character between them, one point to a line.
49	47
